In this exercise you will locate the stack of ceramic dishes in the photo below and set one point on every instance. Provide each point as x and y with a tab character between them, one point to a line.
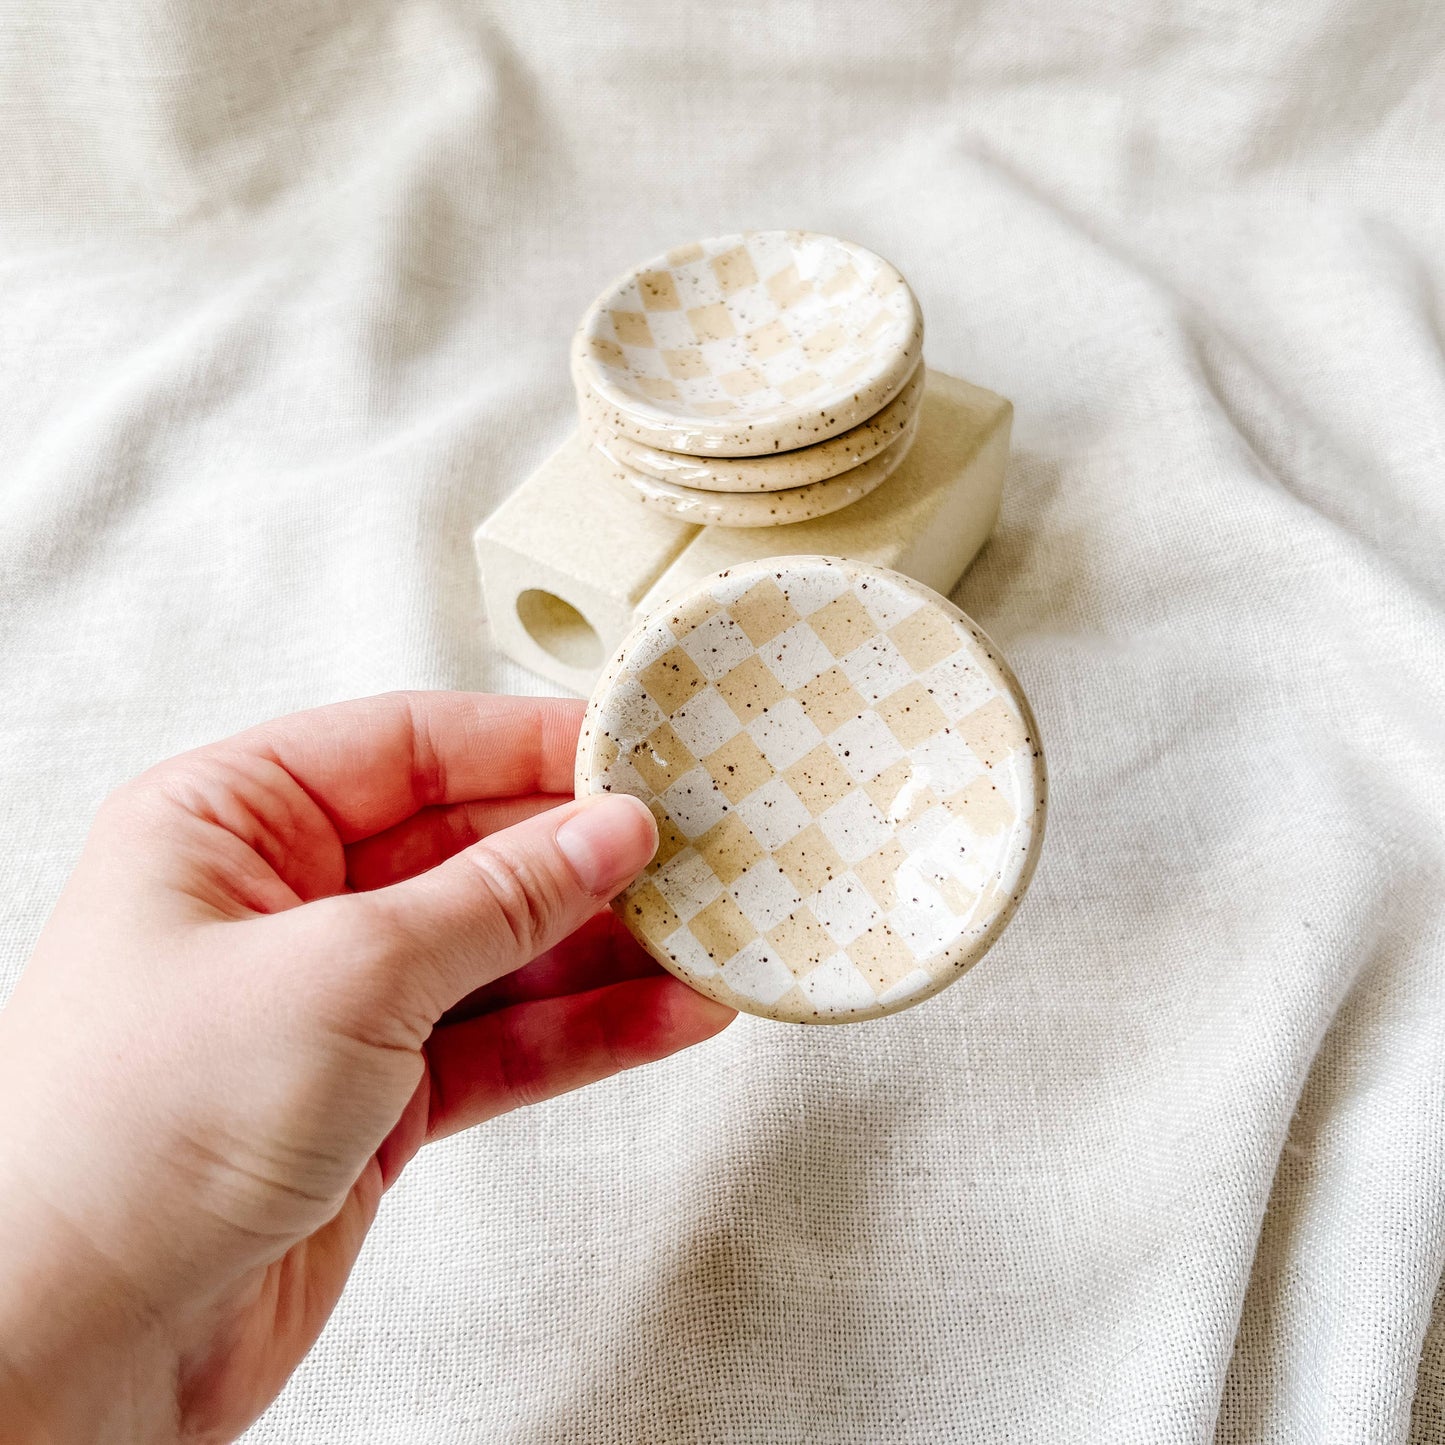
752	380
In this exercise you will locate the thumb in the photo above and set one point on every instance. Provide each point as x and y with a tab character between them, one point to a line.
496	905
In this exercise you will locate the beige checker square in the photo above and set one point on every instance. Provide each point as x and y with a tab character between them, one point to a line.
824	342
818	779
786	287
658	388
878	873
722	929
684	362
911	714
898	793
924	638
763	611
801	942
800	385
770	341
651	911
738	767
982	805
829	883
672	679
608	352
750	689
994	732
671	840
631	329
659	291
844	624
661	758
711	323
734	269
730	849
809	860
882	957
685	255
743	382
830	699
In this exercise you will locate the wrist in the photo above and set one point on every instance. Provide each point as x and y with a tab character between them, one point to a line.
81	1359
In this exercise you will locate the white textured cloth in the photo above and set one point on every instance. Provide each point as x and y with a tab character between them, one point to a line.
285	292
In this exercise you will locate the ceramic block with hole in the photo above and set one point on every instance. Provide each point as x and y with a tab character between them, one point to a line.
569	562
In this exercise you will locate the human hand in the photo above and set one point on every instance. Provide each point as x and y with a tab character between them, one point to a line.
283	963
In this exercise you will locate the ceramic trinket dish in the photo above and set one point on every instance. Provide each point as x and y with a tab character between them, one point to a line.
775	472
848	784
763	509
747	344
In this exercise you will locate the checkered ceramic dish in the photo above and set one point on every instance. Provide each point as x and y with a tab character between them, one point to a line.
846	778
777	472
751	343
761	509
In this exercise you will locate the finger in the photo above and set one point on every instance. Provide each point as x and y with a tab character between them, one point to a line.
433	835
425	943
370	763
602	951
534	1051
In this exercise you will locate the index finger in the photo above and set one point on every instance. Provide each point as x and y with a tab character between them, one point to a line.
372	763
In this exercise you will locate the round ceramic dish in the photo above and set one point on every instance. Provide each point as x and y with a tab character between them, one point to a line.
751	343
847	782
762	509
780	471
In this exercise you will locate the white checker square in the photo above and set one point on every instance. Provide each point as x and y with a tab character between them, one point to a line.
633	713
956	853
784	733
877	668
796	656
685	950
810	591
687	883
765	895
774	813
865	745
958	686
947	762
757	973
705	722
890	605
836	985
848	907
855	827
671	330
928	831
923	920
650	645
908	987
717	646
694	803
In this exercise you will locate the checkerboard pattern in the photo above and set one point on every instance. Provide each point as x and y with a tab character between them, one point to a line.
752	327
848	786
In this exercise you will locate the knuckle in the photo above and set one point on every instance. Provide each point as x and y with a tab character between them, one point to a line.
525	900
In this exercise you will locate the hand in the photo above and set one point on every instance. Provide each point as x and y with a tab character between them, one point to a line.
283	963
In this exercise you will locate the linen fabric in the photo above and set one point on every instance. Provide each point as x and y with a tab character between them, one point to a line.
285	298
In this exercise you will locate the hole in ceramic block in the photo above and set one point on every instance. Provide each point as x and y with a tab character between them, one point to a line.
558	628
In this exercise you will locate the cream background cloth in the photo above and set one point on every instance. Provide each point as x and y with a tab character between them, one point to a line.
285	292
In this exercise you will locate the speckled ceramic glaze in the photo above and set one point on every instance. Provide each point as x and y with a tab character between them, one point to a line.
760	509
847	781
751	343
779	471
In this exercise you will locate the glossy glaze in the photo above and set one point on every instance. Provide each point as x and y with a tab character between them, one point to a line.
847	780
750	343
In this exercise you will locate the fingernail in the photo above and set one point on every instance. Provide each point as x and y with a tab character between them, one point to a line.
608	841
